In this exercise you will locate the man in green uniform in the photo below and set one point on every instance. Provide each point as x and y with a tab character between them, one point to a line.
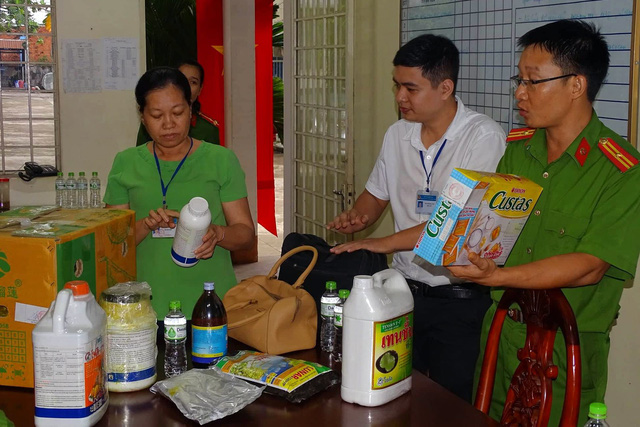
584	233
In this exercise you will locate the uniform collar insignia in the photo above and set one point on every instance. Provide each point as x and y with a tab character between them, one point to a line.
582	151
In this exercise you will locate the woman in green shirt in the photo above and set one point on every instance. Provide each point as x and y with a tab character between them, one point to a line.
157	179
201	126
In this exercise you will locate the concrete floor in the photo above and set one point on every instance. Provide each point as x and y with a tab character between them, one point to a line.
268	245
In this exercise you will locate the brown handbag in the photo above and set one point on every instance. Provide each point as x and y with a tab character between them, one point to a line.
270	315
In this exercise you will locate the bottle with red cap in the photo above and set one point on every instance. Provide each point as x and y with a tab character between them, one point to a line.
73	331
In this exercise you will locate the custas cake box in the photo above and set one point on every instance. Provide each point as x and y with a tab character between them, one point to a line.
477	212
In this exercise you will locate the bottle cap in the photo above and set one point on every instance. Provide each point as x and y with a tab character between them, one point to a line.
94	173
60	174
174	305
208	286
344	293
598	411
363	282
78	287
71	174
198	206
331	285
80	173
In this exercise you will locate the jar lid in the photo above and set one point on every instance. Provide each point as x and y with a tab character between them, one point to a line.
120	296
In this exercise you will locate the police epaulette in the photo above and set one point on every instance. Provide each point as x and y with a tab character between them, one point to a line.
209	119
618	156
521	133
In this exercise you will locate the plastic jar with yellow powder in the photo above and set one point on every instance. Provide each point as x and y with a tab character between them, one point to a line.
131	336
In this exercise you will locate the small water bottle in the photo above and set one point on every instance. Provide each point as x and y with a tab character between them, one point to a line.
71	190
175	338
336	354
94	191
83	196
597	415
328	302
60	193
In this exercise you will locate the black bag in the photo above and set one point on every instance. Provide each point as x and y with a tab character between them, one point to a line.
339	268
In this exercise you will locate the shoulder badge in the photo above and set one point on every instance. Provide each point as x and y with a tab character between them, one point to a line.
209	119
521	133
618	156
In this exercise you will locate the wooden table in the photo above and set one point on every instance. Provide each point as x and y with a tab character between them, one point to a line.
427	404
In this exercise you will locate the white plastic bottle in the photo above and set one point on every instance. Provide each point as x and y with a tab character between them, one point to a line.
193	224
60	193
69	360
71	191
94	191
377	339
83	196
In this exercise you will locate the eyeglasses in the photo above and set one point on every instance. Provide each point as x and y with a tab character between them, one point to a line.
528	83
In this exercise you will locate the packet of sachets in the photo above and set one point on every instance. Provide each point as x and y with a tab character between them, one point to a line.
477	212
293	379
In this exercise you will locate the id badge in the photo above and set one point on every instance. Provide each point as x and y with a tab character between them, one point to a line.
426	202
165	232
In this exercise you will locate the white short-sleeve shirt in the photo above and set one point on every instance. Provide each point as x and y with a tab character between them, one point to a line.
473	141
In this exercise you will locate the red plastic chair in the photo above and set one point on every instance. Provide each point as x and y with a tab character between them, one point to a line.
529	397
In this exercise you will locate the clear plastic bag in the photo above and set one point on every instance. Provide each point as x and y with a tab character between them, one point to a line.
205	395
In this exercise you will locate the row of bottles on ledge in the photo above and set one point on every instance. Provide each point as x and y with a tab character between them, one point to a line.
72	193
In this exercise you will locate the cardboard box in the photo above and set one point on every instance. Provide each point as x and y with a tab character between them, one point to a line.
42	248
477	212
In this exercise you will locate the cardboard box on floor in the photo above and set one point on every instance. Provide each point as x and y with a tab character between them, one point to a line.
42	248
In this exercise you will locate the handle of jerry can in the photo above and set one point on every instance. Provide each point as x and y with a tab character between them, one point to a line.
60	310
389	278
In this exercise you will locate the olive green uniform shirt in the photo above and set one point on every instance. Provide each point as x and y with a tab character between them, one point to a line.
588	205
202	128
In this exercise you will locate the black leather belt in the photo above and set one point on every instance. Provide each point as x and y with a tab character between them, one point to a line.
461	291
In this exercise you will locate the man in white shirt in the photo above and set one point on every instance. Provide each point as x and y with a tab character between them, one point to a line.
436	134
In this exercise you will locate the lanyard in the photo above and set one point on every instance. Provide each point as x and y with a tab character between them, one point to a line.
165	188
433	165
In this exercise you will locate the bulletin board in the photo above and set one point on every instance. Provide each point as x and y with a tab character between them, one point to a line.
486	32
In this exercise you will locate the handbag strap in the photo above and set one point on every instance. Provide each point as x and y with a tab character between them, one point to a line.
305	273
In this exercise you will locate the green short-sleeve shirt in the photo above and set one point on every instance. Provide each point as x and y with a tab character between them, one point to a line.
212	172
591	208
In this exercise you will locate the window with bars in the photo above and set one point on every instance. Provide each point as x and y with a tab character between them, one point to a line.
28	92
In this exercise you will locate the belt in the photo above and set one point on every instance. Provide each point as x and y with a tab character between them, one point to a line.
461	291
515	315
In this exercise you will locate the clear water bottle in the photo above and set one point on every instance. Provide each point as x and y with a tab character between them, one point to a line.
597	415
328	302
336	353
175	338
83	195
71	190
94	191
60	193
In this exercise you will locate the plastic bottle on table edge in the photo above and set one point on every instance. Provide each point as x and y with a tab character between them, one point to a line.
336	353
71	191
94	191
328	302
60	190
83	195
175	338
597	415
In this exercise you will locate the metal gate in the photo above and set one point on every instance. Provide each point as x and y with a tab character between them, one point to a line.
318	139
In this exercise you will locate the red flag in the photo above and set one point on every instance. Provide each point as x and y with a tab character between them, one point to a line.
209	21
264	115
